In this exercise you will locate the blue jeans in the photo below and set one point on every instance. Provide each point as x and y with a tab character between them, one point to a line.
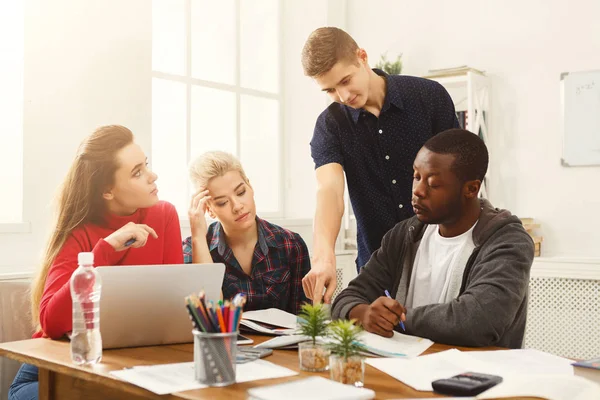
25	385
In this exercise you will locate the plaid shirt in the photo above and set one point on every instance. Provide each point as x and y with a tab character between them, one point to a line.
279	263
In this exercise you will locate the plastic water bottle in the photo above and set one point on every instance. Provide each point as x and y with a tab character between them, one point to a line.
86	343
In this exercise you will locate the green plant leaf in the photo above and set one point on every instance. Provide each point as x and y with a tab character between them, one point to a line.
312	320
344	338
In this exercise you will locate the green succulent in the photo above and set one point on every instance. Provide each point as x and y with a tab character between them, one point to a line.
392	68
312	320
344	337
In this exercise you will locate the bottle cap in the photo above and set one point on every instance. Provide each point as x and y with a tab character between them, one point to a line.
85	258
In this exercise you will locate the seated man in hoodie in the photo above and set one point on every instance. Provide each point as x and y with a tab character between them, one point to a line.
458	271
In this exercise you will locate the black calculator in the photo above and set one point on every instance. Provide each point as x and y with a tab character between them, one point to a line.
467	384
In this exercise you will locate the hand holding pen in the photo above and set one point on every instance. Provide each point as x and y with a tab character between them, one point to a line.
379	317
387	294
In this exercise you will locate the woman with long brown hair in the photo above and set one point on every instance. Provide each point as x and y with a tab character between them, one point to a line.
109	197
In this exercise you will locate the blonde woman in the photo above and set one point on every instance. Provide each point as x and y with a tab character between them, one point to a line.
263	261
108	197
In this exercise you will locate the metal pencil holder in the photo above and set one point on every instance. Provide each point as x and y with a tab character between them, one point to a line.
215	357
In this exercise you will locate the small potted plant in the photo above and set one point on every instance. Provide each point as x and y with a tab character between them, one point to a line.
391	67
346	364
312	354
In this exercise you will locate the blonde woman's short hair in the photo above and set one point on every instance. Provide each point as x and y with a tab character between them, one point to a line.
213	164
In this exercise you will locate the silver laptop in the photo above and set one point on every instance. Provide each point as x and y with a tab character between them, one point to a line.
144	305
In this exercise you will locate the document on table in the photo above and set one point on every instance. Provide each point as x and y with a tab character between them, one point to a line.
398	345
523	361
272	316
171	378
551	387
421	371
314	388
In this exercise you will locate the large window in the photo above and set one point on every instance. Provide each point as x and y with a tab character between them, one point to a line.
11	110
217	86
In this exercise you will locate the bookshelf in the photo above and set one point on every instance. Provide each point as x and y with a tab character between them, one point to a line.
470	90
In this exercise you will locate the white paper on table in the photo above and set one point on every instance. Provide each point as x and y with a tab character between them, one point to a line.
171	378
314	388
551	387
419	372
522	361
398	345
272	316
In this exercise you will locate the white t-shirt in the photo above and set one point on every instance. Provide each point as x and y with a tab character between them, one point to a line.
438	267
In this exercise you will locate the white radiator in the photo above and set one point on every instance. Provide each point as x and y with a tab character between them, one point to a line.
564	307
345	269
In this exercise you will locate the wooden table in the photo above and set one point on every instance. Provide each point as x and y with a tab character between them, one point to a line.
61	379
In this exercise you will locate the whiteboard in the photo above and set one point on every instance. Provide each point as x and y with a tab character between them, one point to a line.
580	98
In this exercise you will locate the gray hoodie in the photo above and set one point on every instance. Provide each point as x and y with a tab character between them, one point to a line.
491	308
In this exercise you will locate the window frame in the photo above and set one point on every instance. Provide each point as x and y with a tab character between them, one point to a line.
189	81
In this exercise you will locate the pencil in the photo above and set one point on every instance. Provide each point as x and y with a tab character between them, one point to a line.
220	317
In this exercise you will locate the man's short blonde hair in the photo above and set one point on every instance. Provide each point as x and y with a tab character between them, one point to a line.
213	164
324	48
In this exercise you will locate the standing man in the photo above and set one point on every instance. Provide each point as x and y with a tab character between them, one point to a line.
371	132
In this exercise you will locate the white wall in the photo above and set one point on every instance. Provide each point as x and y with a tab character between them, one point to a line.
523	46
87	64
304	101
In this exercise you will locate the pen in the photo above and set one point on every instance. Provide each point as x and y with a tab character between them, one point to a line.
401	323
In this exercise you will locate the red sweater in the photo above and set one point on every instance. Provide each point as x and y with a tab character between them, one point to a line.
56	304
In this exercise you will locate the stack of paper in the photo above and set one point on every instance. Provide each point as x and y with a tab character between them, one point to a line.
316	388
451	71
271	321
171	378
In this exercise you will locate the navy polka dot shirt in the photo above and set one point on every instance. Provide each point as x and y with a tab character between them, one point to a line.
377	154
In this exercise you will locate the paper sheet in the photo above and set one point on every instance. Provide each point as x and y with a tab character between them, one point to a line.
552	387
421	371
171	378
314	388
398	345
523	361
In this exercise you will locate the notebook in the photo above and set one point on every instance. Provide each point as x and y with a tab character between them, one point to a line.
283	342
399	345
142	305
271	321
315	388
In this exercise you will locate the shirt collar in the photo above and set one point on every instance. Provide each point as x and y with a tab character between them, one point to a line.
392	96
266	238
